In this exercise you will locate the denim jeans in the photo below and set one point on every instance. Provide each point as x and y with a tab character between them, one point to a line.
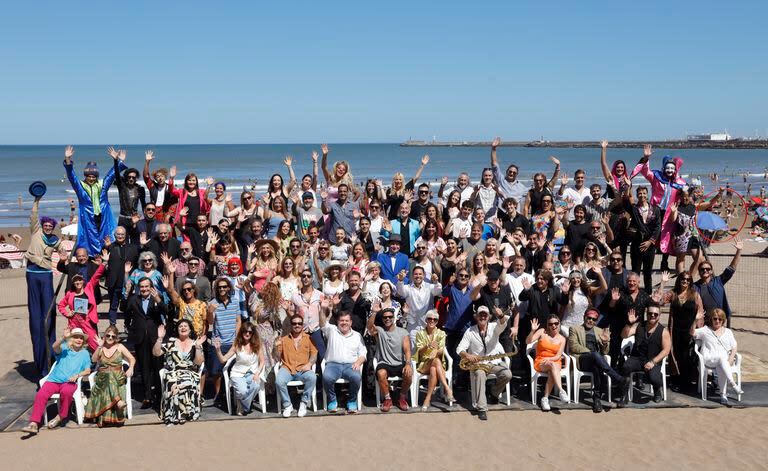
334	371
284	377
246	390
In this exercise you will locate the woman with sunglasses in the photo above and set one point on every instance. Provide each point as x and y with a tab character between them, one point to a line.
541	187
147	269
430	343
247	209
564	263
684	306
106	405
550	345
652	344
421	258
79	304
580	296
718	348
246	371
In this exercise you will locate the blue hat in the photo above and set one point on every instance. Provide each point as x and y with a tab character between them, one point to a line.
37	189
91	169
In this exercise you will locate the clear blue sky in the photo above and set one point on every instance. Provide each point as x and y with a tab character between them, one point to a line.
241	72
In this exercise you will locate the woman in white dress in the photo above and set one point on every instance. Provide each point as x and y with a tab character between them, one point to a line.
718	347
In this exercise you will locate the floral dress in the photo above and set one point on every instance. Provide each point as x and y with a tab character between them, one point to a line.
266	328
181	391
108	390
685	236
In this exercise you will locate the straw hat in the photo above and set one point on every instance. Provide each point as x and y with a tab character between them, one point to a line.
78	332
332	265
261	242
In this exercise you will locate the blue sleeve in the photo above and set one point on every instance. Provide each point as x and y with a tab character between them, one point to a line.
76	185
727	274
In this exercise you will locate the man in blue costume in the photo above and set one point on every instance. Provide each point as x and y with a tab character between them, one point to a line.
95	221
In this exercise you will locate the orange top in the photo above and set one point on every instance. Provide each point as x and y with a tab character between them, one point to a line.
293	357
545	349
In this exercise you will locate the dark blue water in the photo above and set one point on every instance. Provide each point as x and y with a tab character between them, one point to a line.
238	164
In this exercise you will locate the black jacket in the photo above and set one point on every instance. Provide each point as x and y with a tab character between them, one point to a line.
144	325
172	248
118	255
129	206
651	229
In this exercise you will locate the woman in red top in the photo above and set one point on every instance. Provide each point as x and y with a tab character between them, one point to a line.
79	305
190	197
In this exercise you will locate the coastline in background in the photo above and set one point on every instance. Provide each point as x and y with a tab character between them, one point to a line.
239	164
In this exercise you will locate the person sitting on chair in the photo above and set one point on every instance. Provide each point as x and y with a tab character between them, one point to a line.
298	356
588	344
393	354
718	347
245	374
345	354
482	340
72	362
652	345
430	343
550	345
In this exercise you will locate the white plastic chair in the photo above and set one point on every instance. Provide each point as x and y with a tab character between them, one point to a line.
704	373
508	400
626	349
77	398
565	372
295	383
127	398
342	381
418	377
390	380
228	388
578	375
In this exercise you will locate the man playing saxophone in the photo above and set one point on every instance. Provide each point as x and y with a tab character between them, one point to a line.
481	340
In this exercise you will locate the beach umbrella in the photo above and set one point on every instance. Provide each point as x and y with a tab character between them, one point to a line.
70	230
708	221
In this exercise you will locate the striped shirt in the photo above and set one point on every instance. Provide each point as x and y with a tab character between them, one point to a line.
225	321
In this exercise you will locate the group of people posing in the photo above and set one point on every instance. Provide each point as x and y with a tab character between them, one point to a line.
363	285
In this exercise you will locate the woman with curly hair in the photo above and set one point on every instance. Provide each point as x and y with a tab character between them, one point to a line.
249	364
265	264
265	315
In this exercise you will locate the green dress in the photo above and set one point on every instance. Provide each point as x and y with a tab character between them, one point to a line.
108	389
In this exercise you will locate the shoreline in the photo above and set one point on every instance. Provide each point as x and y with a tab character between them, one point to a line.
733	144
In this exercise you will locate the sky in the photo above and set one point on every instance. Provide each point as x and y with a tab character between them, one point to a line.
190	72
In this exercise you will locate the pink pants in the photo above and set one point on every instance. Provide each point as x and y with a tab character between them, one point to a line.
65	390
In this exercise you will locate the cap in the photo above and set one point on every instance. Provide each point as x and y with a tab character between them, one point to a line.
394	238
482	309
307	194
388	309
493	274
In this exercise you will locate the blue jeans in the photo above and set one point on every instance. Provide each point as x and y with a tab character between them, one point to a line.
284	377
115	297
246	390
334	371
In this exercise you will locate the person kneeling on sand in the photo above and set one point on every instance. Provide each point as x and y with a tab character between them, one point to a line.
72	363
652	344
393	354
345	354
482	340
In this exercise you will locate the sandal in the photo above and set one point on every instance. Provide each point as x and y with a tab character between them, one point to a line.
54	422
31	428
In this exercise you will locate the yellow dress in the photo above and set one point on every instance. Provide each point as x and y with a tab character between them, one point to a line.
423	339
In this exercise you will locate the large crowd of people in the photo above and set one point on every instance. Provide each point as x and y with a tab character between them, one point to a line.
326	283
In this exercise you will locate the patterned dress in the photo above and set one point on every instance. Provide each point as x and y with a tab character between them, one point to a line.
181	392
108	390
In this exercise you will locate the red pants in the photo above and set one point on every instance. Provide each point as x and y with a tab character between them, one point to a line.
65	390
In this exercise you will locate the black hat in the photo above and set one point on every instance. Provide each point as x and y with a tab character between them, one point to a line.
394	238
493	274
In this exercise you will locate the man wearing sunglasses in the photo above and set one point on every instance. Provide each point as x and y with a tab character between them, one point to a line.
146	225
130	194
195	275
298	356
120	251
712	288
652	344
459	317
307	303
393	354
419	206
509	185
589	344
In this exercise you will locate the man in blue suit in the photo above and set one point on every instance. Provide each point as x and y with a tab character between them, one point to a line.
392	261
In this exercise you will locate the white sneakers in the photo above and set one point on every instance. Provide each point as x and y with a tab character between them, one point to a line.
545	404
564	396
289	410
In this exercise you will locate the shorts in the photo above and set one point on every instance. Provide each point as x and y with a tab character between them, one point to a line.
391	370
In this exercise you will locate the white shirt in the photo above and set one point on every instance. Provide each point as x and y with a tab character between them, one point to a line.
472	342
466	193
712	346
461	228
419	301
342	348
577	196
515	283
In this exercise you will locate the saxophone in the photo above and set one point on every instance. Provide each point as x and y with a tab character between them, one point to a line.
480	364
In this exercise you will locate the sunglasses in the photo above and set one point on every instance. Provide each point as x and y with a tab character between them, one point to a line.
375	207
615	259
110	336
718	319
247	332
463	276
297	323
593	319
423	192
565	253
421	247
222	287
431	319
150	210
705	269
306	275
187	289
186	249
193	264
149	260
590	249
248	197
686	279
653	314
392	317
553	324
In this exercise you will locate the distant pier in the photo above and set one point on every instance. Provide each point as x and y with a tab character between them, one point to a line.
671	144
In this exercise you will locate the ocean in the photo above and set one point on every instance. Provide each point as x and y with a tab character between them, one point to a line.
239	165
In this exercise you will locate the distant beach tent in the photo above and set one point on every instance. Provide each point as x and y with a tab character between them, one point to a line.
709	221
70	230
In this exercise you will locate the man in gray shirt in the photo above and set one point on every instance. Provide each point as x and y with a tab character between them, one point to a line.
343	213
508	183
393	354
307	215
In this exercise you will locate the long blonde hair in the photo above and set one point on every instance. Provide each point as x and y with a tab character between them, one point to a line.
347	178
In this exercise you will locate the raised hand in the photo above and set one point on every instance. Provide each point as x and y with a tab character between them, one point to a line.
554	160
228	198
604	144
99	341
615	294
166	281
112	152
287	160
149	155
325	303
506	263
647	151
216	343
526	283
408	195
324	149
336	299
425	159
435	279
565	286
496	142
172	172
69	151
143	240
738	244
209	181
314	156
184	211
135	218
324	193
252	248
107	241
534	324
128	267
200	341
161	331
444	181
605	336
401	275
122	154
564	179
376	306
665	277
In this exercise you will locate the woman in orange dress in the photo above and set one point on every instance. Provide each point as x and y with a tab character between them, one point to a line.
550	344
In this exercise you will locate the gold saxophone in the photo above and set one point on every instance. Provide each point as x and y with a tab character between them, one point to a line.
480	364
